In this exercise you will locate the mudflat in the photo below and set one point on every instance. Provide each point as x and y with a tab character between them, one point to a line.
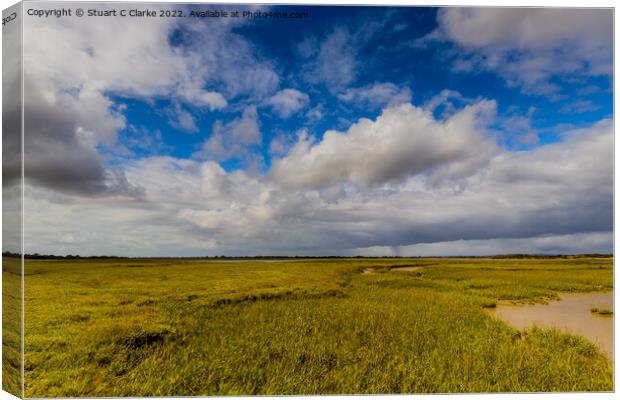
571	313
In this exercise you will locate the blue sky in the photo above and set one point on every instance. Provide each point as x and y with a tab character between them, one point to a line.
396	53
359	130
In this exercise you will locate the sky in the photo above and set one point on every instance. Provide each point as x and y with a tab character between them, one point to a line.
369	131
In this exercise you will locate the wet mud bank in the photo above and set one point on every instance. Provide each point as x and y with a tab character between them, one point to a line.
572	313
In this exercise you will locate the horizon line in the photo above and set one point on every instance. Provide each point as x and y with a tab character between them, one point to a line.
497	255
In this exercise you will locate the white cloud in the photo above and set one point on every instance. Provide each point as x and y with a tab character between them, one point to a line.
404	141
203	98
282	143
377	95
448	99
579	107
316	113
517	130
528	46
183	120
555	198
232	139
143	139
227	59
100	54
287	102
334	61
74	68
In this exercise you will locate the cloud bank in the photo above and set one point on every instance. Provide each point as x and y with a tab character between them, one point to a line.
556	190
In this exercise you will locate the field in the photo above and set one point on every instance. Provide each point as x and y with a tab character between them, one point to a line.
331	326
11	325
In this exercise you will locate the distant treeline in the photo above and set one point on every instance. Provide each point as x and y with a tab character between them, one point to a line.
595	255
37	256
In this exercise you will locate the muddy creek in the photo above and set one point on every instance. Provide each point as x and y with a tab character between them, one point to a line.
571	313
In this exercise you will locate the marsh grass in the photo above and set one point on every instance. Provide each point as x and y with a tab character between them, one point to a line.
11	325
172	328
605	312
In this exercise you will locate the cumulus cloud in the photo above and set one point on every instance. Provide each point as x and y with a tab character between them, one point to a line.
234	138
74	69
282	143
202	98
145	66
61	135
377	95
560	190
403	141
68	109
516	130
554	198
528	46
287	102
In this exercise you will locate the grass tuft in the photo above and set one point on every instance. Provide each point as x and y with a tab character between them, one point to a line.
606	312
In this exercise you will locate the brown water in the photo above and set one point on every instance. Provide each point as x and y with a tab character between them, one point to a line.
571	313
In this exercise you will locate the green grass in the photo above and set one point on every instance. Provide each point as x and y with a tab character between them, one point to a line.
176	328
11	326
606	312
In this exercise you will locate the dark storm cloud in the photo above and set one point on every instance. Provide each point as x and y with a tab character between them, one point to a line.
11	135
11	103
54	156
11	143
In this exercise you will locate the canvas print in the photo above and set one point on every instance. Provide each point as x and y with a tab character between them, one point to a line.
246	199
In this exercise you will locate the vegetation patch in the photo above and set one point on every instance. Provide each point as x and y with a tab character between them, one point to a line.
143	338
605	312
315	327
